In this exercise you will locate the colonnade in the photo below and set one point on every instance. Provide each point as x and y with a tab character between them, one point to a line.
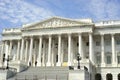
114	55
25	48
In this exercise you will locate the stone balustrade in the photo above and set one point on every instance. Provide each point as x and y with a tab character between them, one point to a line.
11	30
106	23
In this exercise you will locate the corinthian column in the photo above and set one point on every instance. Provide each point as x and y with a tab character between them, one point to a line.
49	51
102	51
40	51
6	52
69	50
91	47
26	51
113	50
59	51
22	49
18	50
31	50
10	48
2	52
80	45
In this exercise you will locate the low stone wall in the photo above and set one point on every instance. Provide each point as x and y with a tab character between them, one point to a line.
5	74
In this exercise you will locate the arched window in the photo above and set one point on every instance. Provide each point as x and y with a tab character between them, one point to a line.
98	76
109	76
119	76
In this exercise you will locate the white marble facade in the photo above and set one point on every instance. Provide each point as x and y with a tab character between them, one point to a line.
56	42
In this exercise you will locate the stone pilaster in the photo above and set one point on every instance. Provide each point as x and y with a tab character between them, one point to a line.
102	51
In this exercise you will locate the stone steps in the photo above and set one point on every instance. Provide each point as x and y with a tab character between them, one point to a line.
60	73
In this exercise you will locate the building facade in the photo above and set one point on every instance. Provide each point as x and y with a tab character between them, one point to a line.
56	42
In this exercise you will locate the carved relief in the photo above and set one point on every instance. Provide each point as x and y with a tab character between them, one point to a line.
54	22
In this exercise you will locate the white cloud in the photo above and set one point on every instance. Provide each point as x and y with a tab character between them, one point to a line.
19	11
104	9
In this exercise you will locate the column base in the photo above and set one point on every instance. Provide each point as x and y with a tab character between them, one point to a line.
114	64
39	64
69	63
48	64
102	64
43	64
58	64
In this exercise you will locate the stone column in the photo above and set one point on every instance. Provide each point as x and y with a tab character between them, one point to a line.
26	51
69	50
31	50
40	51
2	52
10	48
6	52
49	51
62	51
113	50
91	47
44	52
22	49
53	53
80	45
102	51
59	51
18	50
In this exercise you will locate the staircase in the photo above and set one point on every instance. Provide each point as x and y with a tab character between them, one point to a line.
43	73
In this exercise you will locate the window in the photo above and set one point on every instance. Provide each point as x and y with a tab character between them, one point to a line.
118	42
87	43
107	43
109	76
98	59
118	59
108	59
97	43
98	76
119	76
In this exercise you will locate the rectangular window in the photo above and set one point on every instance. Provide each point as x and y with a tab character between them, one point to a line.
118	59
87	43
118	42
97	43
98	59
107	43
108	59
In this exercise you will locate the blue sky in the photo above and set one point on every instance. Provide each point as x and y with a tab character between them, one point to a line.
14	13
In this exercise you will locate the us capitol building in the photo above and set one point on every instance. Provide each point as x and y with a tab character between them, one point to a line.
51	47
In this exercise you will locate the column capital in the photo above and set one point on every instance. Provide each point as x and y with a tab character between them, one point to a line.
31	36
79	33
90	32
23	37
102	34
112	34
10	40
50	35
59	34
69	34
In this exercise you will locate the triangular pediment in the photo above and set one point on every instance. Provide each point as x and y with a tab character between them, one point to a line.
54	22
